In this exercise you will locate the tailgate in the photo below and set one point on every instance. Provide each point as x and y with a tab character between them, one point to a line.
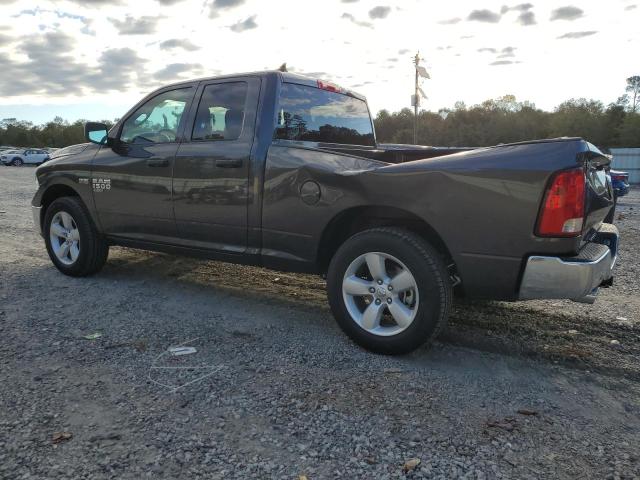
599	192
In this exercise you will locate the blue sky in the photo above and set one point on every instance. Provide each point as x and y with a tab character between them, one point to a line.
95	58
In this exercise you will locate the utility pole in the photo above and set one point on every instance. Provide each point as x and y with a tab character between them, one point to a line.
416	100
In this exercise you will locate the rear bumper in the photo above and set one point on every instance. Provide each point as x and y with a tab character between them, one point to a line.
575	278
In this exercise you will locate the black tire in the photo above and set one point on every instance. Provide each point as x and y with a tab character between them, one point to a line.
17	162
432	279
94	250
612	213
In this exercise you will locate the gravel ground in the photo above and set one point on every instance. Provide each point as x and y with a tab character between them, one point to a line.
275	390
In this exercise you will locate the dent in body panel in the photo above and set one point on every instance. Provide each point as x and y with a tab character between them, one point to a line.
292	228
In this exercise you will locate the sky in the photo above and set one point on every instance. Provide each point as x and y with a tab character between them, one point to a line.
94	59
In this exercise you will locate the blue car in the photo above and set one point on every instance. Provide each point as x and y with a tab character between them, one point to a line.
620	186
620	183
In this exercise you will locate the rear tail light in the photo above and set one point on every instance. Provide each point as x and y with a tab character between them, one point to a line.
621	178
330	87
562	211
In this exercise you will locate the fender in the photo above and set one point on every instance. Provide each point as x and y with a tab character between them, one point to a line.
72	173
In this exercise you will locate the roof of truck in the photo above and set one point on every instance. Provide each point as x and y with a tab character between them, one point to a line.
288	77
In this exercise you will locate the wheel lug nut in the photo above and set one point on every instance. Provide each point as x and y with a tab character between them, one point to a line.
378	302
379	282
390	287
389	300
372	290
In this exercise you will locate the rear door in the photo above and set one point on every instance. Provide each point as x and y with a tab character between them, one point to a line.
211	174
131	181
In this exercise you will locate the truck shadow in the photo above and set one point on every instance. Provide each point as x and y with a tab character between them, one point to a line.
543	330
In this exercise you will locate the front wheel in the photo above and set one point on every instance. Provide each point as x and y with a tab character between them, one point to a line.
17	162
389	290
73	244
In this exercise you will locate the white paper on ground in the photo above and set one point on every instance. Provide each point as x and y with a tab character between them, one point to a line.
176	351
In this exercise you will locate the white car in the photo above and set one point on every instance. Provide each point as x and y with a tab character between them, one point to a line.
21	157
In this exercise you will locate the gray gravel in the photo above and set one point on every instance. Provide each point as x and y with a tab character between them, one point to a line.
280	392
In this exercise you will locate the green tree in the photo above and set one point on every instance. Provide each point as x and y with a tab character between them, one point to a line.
633	89
629	135
580	118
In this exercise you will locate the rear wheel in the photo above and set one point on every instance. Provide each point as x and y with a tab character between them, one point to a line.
73	243
389	290
17	162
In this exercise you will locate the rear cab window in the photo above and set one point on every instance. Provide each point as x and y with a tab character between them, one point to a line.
307	113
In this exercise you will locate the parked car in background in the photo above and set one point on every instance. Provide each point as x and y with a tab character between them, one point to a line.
20	157
620	187
619	182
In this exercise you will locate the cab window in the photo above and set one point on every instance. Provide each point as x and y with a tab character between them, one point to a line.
310	114
220	113
158	120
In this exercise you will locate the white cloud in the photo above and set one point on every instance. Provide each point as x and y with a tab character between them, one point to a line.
243	25
177	39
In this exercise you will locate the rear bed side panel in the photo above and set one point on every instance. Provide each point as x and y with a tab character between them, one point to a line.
484	204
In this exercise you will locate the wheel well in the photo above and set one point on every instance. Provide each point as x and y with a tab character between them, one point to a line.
354	220
53	192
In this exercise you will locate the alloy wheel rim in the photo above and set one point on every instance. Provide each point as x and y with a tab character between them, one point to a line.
65	238
380	294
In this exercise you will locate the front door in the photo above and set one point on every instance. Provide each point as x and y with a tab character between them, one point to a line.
131	181
211	174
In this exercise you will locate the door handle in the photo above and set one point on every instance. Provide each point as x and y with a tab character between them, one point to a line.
158	163
228	163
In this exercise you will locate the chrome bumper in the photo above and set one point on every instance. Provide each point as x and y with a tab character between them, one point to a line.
575	278
37	223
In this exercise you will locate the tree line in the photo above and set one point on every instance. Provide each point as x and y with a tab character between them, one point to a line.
57	133
495	121
505	120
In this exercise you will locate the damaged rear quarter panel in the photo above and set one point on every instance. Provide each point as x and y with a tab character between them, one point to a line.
483	203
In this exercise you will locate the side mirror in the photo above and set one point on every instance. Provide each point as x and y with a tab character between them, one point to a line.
96	132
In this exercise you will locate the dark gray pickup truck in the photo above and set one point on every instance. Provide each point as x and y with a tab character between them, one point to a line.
284	171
